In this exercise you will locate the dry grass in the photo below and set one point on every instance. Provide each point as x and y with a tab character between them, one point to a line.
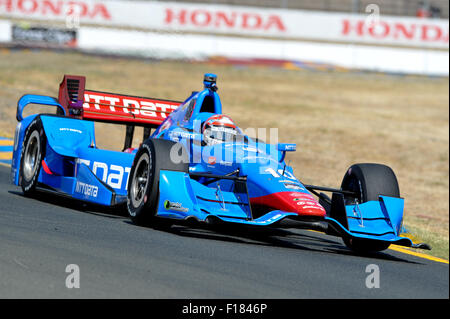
336	119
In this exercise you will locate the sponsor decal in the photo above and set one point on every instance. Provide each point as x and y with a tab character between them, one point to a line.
302	196
297	194
229	20
56	8
175	206
176	135
113	175
211	160
396	30
117	106
44	36
285	147
306	203
70	130
13	174
311	206
293	186
271	219
86	189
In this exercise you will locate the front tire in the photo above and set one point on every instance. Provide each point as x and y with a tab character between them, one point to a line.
368	181
33	152
143	185
360	245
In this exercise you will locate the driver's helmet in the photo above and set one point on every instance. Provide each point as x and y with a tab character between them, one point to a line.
219	129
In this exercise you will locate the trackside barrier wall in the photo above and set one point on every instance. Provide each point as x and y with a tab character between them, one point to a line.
196	31
153	44
237	20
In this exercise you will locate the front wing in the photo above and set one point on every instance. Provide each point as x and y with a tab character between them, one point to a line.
182	197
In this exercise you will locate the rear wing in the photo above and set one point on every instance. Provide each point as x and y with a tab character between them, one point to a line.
130	110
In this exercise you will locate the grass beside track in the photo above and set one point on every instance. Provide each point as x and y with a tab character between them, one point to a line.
336	118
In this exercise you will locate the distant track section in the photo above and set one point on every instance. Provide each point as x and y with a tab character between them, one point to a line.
6	149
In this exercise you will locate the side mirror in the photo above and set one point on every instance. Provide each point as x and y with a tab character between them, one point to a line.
286	147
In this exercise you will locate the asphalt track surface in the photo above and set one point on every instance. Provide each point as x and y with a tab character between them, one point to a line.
40	236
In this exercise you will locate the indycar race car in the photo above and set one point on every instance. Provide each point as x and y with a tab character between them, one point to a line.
194	164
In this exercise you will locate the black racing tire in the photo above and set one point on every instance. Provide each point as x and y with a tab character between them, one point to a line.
32	154
143	184
360	245
369	181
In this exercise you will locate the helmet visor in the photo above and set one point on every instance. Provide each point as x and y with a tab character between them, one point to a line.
221	134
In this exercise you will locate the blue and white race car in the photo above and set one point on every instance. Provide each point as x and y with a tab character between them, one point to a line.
194	164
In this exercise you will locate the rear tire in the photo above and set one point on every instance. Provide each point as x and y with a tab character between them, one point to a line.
143	184
369	181
33	152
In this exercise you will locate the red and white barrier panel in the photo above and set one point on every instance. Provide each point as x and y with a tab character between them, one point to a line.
247	21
